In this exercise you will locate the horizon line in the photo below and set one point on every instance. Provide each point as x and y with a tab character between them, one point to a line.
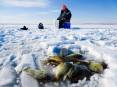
102	23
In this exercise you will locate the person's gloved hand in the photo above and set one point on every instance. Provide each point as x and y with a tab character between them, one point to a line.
63	19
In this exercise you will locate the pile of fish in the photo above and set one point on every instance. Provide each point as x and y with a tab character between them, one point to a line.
66	66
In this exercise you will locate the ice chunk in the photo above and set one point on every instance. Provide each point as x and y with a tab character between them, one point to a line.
8	76
28	81
28	60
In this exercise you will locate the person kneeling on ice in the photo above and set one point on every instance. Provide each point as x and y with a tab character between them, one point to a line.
24	28
40	26
65	17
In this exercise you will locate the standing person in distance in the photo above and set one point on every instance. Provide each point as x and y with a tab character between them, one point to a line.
65	16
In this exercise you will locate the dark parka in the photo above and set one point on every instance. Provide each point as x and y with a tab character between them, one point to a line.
65	16
40	26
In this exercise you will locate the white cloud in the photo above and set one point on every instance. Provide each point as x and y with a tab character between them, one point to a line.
26	18
49	12
11	19
43	16
27	3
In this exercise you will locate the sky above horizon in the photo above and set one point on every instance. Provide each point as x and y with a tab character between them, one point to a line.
46	11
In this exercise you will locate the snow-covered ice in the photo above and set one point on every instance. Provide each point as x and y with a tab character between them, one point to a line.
20	49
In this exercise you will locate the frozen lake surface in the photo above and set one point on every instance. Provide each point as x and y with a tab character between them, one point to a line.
20	48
